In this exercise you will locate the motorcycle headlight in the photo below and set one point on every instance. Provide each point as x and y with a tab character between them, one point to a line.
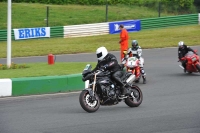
194	59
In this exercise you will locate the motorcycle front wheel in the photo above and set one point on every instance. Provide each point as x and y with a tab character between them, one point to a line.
88	103
135	98
198	67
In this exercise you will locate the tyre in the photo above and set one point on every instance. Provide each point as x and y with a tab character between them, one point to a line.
135	98
87	103
137	81
198	67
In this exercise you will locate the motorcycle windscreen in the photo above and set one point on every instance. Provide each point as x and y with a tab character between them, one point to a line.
132	62
88	67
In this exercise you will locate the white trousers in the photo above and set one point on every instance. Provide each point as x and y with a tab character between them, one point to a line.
141	62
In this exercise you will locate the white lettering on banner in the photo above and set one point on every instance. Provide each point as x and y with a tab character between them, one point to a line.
28	33
129	26
125	26
116	27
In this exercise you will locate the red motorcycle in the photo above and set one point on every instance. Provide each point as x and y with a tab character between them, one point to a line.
192	60
132	66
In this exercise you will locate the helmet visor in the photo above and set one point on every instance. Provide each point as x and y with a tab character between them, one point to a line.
181	46
99	55
134	45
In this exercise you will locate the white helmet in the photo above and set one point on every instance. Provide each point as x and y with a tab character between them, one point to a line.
101	53
180	44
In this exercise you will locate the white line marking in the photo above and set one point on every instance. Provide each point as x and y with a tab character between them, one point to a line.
36	96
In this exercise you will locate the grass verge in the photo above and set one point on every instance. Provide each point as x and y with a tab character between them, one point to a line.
43	69
155	38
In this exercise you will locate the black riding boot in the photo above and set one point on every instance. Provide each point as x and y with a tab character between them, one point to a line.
117	77
184	66
143	75
144	79
123	92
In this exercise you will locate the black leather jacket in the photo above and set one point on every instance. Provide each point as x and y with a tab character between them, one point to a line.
109	63
183	51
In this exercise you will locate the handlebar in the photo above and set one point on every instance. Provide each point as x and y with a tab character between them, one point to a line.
104	73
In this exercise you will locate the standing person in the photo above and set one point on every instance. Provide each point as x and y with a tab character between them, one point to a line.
123	40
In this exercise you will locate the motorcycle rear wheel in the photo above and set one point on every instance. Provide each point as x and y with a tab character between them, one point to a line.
87	104
135	98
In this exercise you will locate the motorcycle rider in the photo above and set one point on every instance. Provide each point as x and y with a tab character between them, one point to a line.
136	51
182	51
108	61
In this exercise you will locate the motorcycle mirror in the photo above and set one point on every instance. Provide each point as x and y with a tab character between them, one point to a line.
88	67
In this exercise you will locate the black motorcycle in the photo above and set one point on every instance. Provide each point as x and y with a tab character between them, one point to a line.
101	90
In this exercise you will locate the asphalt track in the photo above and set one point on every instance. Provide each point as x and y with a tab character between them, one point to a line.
171	103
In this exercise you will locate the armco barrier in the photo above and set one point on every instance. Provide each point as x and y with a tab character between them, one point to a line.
46	84
102	28
161	22
3	35
57	31
86	30
199	18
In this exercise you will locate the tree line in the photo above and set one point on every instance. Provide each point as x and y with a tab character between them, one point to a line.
176	4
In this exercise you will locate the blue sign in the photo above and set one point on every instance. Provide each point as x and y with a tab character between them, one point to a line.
130	26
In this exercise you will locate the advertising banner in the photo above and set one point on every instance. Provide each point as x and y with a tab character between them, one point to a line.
28	33
130	26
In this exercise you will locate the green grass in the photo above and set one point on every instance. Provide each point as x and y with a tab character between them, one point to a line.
27	15
157	38
32	15
43	69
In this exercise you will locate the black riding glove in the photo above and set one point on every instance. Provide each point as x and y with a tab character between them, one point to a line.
103	68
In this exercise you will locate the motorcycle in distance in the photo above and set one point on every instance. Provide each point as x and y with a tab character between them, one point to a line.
132	65
192	64
101	90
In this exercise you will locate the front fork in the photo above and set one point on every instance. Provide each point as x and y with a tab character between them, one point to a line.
91	91
194	65
135	71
